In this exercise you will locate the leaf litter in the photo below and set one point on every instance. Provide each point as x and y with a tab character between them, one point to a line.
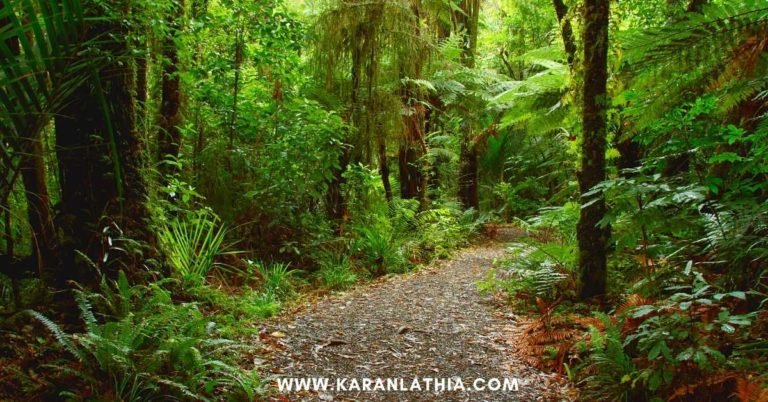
429	324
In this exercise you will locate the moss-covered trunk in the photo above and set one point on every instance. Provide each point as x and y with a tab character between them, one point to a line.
592	238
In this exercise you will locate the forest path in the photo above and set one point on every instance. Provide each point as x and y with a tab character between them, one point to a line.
430	324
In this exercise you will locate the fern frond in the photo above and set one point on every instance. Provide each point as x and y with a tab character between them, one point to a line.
62	337
712	50
86	311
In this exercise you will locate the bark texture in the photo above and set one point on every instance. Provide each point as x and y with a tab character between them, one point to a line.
413	180
99	155
467	23
169	136
566	30
592	239
384	169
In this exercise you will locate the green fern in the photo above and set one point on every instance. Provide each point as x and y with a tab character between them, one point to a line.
86	311
62	337
711	50
536	103
157	350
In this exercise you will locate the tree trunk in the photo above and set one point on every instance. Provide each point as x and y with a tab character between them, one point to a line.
561	9
431	122
630	156
33	175
409	171
630	151
467	21
411	153
199	11
197	150
336	206
141	47
593	240
99	157
142	87
238	62
132	195
468	175
7	225
169	136
384	169
335	203
696	6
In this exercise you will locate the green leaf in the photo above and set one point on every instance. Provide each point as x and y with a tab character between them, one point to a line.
654	382
642	311
725	157
655	350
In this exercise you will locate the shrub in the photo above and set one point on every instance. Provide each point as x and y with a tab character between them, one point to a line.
191	244
152	349
379	252
336	273
235	305
278	279
535	273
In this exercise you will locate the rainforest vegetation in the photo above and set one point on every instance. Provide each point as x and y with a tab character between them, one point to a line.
174	173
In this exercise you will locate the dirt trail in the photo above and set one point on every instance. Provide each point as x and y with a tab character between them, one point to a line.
432	324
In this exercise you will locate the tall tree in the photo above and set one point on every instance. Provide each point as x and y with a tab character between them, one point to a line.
413	179
140	44
99	147
198	13
366	45
413	148
237	66
466	22
592	237
566	30
169	136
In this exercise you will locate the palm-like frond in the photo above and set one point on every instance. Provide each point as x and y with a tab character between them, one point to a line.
41	44
535	104
720	50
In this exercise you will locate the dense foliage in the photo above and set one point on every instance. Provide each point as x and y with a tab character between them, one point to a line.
172	172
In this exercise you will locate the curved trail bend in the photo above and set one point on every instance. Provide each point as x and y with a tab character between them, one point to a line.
431	324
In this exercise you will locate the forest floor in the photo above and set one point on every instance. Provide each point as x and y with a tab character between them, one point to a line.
429	324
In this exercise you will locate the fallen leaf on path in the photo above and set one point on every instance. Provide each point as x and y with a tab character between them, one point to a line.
335	342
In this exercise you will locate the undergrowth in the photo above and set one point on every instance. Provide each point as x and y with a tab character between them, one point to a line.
138	344
673	328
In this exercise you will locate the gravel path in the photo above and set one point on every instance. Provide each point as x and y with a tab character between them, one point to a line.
431	324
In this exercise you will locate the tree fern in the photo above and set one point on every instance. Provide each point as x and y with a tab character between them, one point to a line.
716	49
536	103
